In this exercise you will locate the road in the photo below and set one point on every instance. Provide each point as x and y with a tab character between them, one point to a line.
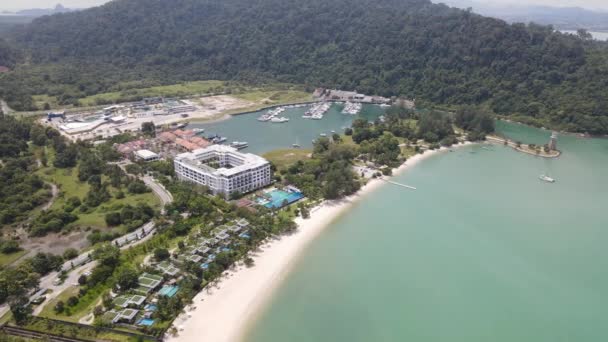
160	191
163	194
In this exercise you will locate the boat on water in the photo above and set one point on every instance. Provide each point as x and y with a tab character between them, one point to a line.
198	130
323	134
281	119
272	114
352	108
182	125
317	111
546	178
216	139
239	145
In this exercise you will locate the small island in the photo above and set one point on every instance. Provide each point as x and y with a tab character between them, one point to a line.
548	150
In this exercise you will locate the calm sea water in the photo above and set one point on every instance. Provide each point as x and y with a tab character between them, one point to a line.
482	251
596	34
265	136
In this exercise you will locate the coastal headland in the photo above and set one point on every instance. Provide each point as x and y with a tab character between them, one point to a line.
225	312
528	149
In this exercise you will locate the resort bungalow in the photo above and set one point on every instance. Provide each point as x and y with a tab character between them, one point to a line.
126	316
222	236
234	229
126	301
242	223
148	283
167	268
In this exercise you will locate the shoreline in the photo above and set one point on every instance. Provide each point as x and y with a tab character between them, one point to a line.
227	312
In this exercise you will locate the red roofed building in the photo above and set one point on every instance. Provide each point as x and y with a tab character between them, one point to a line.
185	144
184	134
200	142
167	137
4	69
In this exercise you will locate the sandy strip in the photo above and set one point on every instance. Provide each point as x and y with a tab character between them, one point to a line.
224	313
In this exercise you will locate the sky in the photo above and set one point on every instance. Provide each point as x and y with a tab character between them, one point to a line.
25	4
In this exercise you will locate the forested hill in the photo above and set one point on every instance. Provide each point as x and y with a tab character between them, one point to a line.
387	47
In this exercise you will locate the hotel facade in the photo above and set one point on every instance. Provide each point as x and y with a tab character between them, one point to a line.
223	169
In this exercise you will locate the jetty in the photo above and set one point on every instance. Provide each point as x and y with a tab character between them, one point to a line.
399	184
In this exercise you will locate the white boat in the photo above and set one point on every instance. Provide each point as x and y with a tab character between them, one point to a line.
295	146
351	108
323	134
279	119
198	130
317	111
239	144
546	178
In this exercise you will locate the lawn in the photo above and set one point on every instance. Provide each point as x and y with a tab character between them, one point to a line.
285	157
175	90
272	97
7	259
70	186
49	307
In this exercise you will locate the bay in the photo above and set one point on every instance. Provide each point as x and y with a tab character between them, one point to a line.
482	251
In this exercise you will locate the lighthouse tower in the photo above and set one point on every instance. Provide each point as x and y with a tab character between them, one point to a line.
553	141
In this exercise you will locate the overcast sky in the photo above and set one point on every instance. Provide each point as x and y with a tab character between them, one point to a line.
24	4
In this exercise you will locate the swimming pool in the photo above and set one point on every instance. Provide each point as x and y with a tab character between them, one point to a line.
145	322
168	291
279	198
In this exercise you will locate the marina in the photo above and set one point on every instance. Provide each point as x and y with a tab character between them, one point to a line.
317	111
264	137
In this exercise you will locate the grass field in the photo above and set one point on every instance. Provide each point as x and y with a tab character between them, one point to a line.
7	259
49	308
272	97
175	90
264	95
285	157
69	186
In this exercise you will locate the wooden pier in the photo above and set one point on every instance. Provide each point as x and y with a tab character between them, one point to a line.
399	184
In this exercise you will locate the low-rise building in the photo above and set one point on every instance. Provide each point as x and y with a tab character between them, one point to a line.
146	155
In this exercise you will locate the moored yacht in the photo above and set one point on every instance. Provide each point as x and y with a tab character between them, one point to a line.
546	178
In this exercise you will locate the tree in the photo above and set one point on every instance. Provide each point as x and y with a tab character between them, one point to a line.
113	219
127	278
70	254
82	280
161	254
59	307
20	309
148	129
107	254
72	301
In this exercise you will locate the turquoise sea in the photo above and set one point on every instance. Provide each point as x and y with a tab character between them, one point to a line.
482	251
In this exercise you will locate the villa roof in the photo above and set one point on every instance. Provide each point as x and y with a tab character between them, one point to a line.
186	144
167	137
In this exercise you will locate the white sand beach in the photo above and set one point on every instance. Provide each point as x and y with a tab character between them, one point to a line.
224	313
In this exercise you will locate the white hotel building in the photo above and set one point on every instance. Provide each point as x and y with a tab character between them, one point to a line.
223	169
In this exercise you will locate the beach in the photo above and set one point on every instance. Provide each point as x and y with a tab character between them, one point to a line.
225	312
